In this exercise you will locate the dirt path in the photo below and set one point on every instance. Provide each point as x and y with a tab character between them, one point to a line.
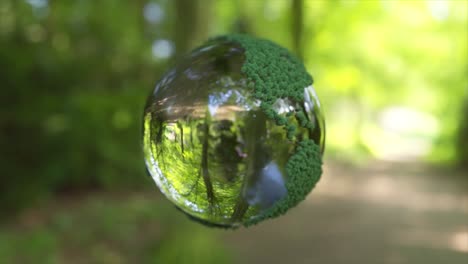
385	213
381	213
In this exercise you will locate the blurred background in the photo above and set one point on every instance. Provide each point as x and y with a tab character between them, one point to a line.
392	76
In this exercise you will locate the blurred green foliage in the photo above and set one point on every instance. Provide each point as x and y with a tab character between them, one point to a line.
74	81
109	230
75	75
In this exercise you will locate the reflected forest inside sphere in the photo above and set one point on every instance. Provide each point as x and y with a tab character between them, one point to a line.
233	133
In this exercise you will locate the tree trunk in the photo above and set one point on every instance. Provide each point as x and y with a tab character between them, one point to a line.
462	139
192	20
297	26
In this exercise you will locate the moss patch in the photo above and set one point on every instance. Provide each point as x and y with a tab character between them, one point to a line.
304	169
274	73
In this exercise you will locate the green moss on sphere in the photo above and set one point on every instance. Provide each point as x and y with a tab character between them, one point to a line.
304	169
275	73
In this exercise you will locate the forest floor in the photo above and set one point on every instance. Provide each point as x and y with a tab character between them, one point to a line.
391	213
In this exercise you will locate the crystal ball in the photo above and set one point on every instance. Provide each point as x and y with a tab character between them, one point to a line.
233	134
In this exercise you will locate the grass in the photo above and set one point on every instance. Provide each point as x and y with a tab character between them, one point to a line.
125	228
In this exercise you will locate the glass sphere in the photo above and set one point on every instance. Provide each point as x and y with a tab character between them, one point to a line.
212	147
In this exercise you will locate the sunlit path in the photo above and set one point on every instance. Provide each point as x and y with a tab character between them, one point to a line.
381	213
